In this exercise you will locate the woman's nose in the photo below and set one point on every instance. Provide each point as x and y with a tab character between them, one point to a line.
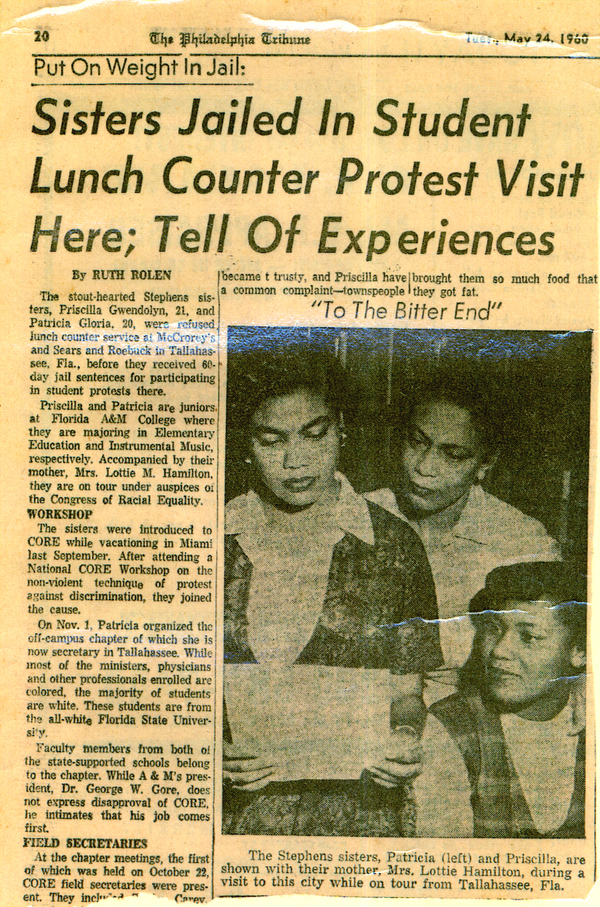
503	648
295	453
427	464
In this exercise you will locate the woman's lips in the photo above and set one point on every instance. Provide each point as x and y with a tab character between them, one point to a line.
501	673
421	492
299	485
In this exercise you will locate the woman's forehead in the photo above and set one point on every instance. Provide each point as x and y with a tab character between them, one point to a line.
542	613
295	409
446	421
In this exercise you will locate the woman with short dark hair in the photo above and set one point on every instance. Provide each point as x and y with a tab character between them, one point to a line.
314	575
509	746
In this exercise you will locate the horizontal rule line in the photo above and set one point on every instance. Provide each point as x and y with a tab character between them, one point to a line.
234	53
519	57
147	82
84	54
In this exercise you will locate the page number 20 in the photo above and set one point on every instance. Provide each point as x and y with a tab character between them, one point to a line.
42	36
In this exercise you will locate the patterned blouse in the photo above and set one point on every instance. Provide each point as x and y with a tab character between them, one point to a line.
379	611
379	608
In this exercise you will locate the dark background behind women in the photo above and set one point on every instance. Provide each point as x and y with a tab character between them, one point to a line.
540	380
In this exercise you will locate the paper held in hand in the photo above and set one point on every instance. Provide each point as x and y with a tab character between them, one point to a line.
343	732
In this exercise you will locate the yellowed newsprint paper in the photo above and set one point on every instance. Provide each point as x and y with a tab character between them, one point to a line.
299	382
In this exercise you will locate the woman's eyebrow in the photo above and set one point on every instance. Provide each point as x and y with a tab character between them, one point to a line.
267	430
448	445
418	431
318	421
456	447
532	624
270	430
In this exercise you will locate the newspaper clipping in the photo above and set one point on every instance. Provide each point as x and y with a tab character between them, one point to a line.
299	379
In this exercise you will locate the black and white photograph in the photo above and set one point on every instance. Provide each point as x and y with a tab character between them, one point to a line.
405	583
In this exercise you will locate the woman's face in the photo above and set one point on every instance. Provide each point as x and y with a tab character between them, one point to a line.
295	446
525	651
441	457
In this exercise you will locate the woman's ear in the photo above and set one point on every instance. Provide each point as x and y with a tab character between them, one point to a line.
578	658
486	467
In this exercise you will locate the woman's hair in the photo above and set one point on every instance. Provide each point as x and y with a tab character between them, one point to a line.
469	391
258	376
538	581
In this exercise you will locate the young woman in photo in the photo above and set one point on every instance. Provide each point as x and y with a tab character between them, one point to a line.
316	575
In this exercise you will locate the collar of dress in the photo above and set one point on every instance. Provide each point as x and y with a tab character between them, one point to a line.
245	515
471	524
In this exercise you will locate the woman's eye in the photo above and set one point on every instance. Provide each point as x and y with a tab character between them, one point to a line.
316	433
530	637
269	440
457	457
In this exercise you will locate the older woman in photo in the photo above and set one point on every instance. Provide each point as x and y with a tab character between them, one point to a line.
451	438
315	575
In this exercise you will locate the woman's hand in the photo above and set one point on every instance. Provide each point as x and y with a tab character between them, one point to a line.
401	758
245	771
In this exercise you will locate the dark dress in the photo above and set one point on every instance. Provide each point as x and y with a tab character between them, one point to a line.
500	809
379	612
